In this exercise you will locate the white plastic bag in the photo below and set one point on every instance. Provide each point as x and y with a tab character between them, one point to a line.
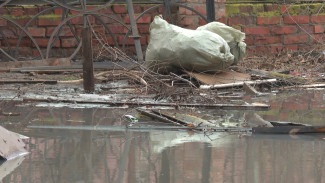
172	48
233	37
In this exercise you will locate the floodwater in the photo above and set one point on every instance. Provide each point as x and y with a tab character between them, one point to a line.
109	152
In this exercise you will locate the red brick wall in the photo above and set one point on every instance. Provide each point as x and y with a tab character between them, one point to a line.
270	28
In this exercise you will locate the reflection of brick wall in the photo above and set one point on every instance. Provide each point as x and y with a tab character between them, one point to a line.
273	27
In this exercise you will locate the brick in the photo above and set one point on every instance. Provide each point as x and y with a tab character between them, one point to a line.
201	9
262	50
318	38
25	42
271	8
107	20
145	7
295	39
257	30
268	20
250	40
306	29
137	8
9	33
222	20
143	29
220	13
145	19
42	42
118	29
142	20
202	21
130	41
106	10
16	11
302	19
65	31
245	9
319	29
267	40
22	21
109	40
3	22
241	21
77	20
119	9
69	43
36	31
291	47
41	8
58	11
30	10
3	11
283	29
276	49
284	8
44	21
187	21
184	11
318	19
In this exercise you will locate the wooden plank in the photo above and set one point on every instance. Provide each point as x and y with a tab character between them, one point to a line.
184	118
139	103
220	78
34	63
229	85
146	103
87	57
98	66
28	81
157	116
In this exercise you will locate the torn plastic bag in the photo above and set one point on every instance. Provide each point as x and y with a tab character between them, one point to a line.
172	48
233	37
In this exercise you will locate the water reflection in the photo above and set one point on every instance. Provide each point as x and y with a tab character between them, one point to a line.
72	155
86	156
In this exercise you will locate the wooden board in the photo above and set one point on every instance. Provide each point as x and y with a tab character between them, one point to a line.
220	78
34	63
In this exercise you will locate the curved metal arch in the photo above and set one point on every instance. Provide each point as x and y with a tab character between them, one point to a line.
27	33
74	16
4	3
7	42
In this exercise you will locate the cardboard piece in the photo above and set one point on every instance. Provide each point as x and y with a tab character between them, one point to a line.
220	78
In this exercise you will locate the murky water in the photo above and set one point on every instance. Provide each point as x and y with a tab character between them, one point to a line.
76	154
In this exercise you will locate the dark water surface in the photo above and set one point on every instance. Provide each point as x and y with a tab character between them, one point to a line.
73	154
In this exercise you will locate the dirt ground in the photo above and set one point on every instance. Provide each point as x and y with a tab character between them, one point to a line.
310	63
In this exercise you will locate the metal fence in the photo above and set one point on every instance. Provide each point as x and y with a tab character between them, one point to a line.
83	10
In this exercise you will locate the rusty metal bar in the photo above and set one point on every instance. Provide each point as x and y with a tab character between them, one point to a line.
135	33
